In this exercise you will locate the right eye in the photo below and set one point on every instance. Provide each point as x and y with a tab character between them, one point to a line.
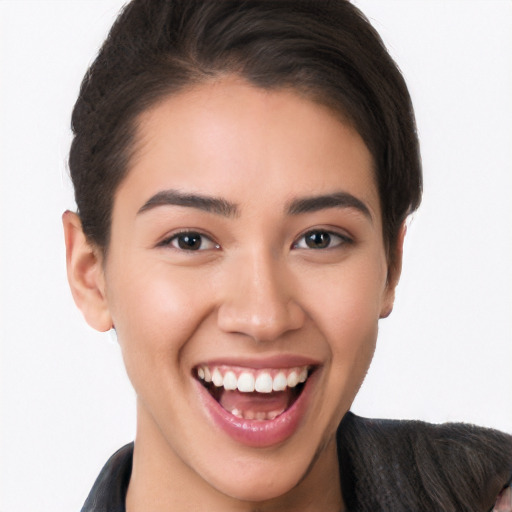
190	241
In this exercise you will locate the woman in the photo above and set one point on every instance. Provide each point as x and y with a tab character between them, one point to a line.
243	172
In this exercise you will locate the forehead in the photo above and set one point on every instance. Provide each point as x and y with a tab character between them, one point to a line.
230	139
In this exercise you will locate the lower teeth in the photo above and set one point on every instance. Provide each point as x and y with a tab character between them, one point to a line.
249	414
252	415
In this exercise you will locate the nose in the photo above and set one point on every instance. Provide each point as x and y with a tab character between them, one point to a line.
259	301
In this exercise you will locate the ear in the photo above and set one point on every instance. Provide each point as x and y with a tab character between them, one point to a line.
85	274
394	271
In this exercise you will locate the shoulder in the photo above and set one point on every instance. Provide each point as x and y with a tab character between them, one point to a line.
411	465
109	490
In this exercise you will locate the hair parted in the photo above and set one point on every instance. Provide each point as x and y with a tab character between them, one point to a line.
325	50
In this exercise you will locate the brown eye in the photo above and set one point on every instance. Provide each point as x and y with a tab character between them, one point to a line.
191	241
320	239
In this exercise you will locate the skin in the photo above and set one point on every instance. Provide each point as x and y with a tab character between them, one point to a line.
253	290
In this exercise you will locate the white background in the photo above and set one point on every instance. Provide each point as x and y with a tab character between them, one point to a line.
446	352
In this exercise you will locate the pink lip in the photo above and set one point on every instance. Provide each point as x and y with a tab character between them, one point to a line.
258	433
278	361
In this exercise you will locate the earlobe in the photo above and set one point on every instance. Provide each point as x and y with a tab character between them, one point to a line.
394	271
85	274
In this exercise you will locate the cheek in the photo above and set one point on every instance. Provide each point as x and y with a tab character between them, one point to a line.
351	330
155	312
349	297
352	335
348	315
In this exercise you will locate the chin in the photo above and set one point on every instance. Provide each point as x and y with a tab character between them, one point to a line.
259	483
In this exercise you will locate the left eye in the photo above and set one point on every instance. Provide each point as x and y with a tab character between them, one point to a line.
191	241
320	239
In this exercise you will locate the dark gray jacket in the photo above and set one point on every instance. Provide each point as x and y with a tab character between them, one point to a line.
385	466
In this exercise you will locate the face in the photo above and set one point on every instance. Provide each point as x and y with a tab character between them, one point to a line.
245	277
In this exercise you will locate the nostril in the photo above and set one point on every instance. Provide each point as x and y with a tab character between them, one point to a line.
259	297
261	322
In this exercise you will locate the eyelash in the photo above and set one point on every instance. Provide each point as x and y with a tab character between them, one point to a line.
326	237
175	237
342	239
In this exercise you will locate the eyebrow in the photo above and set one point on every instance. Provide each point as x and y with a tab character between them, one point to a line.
335	200
225	208
177	198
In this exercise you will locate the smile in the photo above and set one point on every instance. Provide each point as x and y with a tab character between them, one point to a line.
258	407
261	394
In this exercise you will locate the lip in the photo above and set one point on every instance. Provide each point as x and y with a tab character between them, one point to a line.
257	433
280	361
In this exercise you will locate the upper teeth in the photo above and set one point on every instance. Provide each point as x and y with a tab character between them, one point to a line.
247	380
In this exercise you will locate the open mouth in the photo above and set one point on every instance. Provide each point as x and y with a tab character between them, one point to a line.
262	394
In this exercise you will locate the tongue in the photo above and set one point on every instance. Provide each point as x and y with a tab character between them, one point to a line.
257	402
